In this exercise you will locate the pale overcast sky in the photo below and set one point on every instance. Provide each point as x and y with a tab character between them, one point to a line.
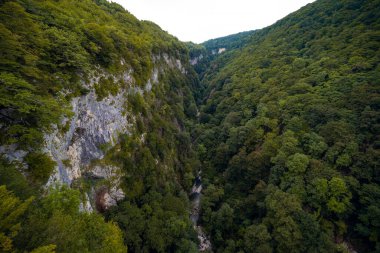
200	20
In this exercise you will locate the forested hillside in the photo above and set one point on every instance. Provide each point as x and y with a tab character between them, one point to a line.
289	135
203	55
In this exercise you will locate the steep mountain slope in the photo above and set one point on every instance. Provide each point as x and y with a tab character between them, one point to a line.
289	137
94	99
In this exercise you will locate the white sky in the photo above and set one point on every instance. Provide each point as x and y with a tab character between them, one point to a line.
201	20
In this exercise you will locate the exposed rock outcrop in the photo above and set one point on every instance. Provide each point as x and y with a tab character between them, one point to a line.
94	123
195	60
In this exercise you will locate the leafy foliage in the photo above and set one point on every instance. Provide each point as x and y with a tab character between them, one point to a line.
11	210
56	220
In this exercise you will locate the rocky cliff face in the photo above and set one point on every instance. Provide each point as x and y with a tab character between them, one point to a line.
78	140
94	127
95	124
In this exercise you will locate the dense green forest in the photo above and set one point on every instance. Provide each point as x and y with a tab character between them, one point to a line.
284	126
289	135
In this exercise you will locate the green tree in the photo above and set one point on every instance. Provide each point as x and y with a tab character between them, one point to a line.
11	210
58	221
257	239
340	196
369	226
297	163
281	208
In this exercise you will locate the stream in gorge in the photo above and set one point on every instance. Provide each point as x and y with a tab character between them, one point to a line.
195	198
